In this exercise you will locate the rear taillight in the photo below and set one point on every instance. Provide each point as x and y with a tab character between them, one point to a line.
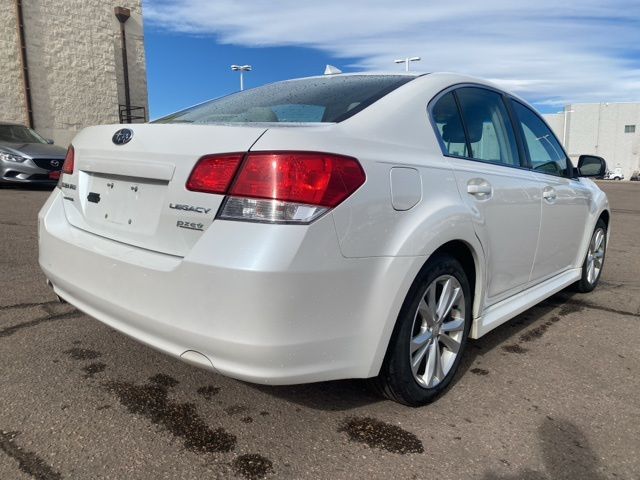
213	173
67	166
284	187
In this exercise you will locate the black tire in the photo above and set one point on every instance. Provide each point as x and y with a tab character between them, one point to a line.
584	285
396	380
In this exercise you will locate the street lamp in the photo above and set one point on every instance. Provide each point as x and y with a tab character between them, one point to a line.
241	69
406	61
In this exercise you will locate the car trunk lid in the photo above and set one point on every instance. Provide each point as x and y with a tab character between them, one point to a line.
135	193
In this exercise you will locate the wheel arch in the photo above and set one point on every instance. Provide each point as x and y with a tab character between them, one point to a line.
470	257
470	261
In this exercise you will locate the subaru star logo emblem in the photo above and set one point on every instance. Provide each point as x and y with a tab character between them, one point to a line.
122	136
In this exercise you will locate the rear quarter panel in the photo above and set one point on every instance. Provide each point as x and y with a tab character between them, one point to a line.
598	204
395	132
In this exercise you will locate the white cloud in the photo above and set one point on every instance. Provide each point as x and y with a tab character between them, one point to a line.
552	52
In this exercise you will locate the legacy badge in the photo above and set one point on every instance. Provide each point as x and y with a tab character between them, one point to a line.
189	208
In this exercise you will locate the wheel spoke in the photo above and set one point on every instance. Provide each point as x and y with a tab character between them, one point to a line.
431	298
438	373
431	364
455	325
445	297
419	340
416	360
451	344
599	240
595	241
426	312
597	261
447	302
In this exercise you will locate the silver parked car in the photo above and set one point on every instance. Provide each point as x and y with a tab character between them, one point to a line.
26	157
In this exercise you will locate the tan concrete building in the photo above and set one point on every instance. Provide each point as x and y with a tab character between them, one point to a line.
73	76
609	130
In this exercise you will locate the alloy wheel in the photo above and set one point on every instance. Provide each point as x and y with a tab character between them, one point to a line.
595	255
437	332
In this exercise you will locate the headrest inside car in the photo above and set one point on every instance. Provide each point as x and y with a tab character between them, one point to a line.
475	131
453	133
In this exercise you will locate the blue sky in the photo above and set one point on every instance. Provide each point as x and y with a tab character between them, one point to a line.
551	53
184	69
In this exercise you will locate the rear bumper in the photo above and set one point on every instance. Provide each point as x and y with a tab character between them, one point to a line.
268	304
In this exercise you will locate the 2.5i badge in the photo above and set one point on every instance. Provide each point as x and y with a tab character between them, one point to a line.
190	225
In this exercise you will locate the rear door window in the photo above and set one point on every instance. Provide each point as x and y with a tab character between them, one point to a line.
448	122
488	126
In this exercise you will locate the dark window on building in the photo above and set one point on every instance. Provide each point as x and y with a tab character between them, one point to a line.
629	129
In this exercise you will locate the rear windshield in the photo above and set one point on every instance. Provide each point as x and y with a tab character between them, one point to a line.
310	100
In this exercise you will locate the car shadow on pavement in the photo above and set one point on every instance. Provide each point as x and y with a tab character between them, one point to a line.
566	454
338	395
513	335
344	395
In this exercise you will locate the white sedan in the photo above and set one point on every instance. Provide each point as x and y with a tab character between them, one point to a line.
346	226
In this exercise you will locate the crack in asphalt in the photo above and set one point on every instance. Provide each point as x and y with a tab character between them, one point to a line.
628	211
8	331
595	306
15	224
28	462
28	305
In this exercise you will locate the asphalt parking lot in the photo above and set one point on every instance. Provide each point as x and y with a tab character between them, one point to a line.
553	394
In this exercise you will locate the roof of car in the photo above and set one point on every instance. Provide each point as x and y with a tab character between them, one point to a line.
451	77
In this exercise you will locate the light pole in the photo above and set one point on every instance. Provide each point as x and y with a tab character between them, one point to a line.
564	128
241	69
406	61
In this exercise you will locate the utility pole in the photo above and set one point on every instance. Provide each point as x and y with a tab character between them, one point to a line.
123	14
26	83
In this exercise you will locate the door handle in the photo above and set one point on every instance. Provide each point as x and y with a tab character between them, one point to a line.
479	188
549	194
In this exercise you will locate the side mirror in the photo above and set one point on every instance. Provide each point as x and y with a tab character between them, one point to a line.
591	166
49	141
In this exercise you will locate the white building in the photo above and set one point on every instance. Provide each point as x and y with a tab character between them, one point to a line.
62	64
609	130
